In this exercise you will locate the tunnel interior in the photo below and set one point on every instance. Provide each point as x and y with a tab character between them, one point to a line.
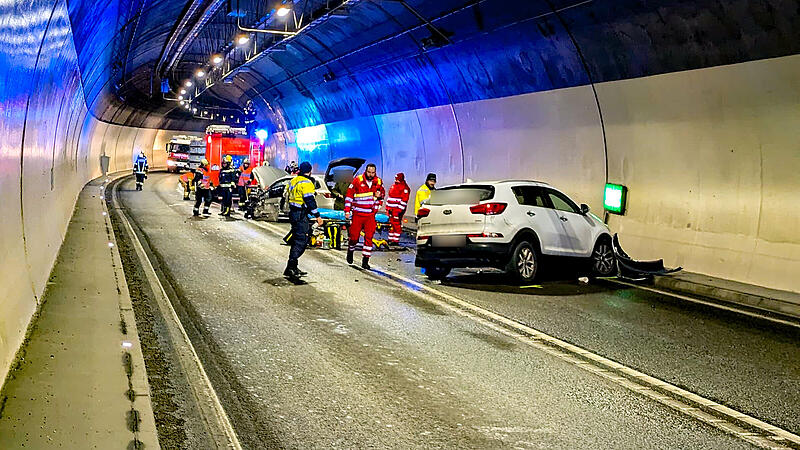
693	105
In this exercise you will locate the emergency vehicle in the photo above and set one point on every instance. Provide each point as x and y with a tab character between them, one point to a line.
184	152
224	140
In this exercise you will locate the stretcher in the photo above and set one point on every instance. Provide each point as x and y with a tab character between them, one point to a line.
333	222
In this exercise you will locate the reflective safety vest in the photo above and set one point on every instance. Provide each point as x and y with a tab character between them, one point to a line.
362	198
301	194
187	177
423	193
140	165
205	182
227	177
245	176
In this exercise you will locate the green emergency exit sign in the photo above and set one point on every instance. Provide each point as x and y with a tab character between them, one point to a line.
614	198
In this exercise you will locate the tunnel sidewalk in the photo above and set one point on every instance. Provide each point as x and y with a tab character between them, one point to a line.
80	381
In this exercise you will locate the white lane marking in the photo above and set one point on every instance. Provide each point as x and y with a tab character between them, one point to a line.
219	411
633	380
707	303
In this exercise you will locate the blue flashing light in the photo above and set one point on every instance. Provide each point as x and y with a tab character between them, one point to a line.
262	135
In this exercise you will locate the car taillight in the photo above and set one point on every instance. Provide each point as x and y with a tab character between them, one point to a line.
485	235
423	212
488	209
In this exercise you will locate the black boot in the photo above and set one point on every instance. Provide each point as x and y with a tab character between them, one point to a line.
365	263
301	273
196	212
350	257
206	211
291	270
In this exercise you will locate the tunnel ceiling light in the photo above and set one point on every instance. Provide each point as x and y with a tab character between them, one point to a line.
243	39
180	97
614	198
183	91
188	83
283	11
200	73
216	59
194	110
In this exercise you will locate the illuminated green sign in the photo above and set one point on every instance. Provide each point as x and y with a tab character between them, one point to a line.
614	198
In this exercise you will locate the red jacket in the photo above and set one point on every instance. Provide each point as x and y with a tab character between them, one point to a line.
363	199
397	200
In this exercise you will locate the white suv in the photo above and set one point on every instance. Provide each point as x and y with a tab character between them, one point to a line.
508	225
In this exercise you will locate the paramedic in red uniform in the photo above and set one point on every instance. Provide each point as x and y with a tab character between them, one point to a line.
396	204
363	200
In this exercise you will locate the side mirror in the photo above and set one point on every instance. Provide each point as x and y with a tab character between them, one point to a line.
584	209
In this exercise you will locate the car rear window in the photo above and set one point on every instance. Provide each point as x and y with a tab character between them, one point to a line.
461	195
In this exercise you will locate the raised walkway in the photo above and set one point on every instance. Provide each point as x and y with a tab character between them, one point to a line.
80	379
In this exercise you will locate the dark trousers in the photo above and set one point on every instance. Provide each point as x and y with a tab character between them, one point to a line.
140	181
227	199
242	196
300	226
202	196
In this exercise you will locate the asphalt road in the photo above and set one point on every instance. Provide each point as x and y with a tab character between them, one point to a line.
351	360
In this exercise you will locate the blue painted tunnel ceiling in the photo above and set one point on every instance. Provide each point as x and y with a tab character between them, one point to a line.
370	57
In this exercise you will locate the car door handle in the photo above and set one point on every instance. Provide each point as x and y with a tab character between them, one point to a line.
531	213
563	219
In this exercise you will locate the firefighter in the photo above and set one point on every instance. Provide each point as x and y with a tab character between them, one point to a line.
245	179
203	187
301	204
396	204
227	183
363	200
140	169
424	192
187	180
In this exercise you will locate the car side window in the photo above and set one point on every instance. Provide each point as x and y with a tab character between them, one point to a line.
562	203
529	196
277	189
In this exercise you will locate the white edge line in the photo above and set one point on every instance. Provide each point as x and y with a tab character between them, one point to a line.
474	312
222	416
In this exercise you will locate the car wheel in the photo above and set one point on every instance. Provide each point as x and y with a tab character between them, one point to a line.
524	263
604	263
437	272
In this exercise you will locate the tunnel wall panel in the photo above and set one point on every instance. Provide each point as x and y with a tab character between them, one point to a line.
50	148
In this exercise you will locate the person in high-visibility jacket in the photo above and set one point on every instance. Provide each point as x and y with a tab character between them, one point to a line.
424	192
187	180
396	205
203	187
140	169
301	204
363	200
227	183
245	180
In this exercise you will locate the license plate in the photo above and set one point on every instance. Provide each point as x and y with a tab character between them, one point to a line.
448	241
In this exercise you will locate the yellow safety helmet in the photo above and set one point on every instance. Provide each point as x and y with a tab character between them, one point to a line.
228	158
204	162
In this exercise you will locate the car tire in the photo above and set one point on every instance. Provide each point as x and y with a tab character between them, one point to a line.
437	272
603	261
524	262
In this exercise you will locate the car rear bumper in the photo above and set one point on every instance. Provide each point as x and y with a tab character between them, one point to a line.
473	255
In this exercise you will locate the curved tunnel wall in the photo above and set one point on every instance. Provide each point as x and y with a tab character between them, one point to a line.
50	146
710	157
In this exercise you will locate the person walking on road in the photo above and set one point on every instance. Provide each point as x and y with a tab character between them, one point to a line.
363	200
245	179
301	204
227	183
424	192
140	169
203	187
396	205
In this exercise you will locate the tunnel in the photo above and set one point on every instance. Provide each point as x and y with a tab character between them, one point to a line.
693	106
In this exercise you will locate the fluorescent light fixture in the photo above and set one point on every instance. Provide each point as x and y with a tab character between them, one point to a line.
183	91
188	83
243	39
216	59
283	11
180	97
614	198
200	73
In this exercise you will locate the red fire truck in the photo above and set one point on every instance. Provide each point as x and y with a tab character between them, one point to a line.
223	140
